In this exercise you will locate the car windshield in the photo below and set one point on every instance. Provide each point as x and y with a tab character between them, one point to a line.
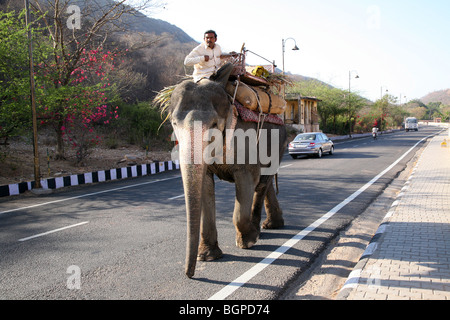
305	137
412	120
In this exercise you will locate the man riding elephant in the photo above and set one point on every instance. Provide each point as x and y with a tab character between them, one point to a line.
208	60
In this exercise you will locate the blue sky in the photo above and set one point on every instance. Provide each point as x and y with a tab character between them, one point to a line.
398	45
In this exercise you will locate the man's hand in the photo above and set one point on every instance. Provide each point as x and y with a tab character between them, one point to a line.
206	58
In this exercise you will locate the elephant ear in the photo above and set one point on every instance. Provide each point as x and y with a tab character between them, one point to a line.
222	82
223	74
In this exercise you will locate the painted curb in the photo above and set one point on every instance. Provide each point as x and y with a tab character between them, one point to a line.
354	277
91	177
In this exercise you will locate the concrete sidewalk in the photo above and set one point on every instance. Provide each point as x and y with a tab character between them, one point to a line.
409	256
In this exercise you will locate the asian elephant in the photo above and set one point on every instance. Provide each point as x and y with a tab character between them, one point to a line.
202	116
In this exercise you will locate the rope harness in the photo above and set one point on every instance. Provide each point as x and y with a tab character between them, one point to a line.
261	118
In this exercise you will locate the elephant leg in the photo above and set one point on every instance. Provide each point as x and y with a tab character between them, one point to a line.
258	202
246	232
274	218
208	248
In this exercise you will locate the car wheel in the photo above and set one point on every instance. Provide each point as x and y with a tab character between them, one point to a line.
331	151
294	156
319	154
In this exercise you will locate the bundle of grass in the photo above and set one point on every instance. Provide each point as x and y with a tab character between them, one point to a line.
278	80
162	101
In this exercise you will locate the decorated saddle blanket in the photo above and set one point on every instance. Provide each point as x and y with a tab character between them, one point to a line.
253	116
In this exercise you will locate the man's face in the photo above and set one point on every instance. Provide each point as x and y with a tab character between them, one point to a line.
210	40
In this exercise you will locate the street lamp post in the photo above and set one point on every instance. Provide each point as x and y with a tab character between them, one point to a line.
349	106
295	48
283	42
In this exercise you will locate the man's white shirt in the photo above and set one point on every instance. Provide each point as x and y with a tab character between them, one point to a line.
202	68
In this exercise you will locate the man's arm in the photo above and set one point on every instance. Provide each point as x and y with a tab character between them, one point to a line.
194	57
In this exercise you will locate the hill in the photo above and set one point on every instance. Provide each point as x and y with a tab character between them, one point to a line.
442	96
143	23
133	21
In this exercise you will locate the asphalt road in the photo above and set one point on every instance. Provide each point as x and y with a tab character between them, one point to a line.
126	239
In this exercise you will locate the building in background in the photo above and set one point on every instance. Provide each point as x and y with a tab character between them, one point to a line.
301	113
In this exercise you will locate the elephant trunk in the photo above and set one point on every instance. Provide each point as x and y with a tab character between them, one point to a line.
193	176
193	171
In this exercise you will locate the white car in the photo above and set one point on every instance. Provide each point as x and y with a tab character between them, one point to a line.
311	143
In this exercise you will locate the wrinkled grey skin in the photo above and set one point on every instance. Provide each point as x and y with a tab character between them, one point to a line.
208	102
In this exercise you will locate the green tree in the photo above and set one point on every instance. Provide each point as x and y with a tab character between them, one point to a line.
445	111
434	110
388	113
71	40
337	110
355	104
15	110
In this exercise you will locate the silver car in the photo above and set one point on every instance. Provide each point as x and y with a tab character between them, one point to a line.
311	143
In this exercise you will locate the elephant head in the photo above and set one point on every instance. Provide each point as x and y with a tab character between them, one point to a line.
195	109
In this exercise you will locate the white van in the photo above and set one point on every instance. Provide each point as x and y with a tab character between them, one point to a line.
411	124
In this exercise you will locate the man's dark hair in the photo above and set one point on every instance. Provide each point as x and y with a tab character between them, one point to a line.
211	31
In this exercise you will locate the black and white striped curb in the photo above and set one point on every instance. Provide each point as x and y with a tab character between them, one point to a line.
91	177
354	277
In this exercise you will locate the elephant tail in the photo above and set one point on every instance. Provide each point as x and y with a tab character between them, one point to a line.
276	183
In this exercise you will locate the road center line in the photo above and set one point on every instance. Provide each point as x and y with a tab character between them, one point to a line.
89	194
176	197
53	231
257	268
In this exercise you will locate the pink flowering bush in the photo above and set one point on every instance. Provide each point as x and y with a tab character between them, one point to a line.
76	106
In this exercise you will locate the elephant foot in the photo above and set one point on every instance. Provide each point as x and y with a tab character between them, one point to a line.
273	224
209	253
246	241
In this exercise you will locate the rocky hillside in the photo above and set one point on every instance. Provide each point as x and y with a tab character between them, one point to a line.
136	22
442	96
142	23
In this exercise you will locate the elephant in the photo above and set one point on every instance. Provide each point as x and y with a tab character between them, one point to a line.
204	109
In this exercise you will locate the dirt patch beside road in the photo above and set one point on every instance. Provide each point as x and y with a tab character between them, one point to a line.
17	160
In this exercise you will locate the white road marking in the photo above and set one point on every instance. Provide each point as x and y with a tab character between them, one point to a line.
257	268
53	231
176	197
89	194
